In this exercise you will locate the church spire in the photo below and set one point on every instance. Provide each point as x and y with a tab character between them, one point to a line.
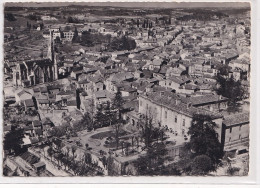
52	56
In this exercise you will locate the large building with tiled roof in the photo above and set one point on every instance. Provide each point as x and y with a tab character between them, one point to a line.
169	110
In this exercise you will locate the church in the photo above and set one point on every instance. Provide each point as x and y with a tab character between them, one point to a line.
33	72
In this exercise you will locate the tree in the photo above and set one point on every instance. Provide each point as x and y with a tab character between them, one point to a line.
87	121
109	114
50	152
118	102
75	35
100	118
201	165
57	39
127	145
10	17
33	17
232	89
116	127
138	23
204	138
153	162
72	20
67	156
122	43
41	26
73	150
13	141
149	132
104	161
203	145
224	70
88	158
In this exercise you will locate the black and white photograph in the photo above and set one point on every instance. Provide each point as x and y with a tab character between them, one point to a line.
96	89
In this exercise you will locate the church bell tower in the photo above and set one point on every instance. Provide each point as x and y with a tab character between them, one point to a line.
52	56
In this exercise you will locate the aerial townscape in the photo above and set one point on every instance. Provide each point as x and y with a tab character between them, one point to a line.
95	90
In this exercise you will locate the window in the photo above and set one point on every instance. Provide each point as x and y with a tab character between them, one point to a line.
230	130
175	119
240	127
165	114
183	122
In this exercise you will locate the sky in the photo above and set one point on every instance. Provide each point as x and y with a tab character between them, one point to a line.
136	4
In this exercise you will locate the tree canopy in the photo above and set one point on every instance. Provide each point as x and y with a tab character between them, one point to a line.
230	88
13	141
10	17
153	162
122	43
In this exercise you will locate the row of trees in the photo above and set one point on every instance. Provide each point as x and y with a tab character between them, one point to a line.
84	167
112	43
10	17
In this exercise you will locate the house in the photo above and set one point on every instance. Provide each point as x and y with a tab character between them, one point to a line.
71	105
235	131
54	89
55	28
188	88
76	72
29	104
117	78
102	97
156	64
67	35
42	101
36	124
22	96
174	82
46	34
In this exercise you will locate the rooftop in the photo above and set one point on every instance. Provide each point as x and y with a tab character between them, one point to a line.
175	103
236	119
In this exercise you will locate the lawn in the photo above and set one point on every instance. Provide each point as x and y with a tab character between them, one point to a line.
107	134
102	135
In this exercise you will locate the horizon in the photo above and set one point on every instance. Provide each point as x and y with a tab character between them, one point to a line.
132	4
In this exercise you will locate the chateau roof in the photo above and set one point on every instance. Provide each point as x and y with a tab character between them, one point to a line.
206	99
39	62
174	102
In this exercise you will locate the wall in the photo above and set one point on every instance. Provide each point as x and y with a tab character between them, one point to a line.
238	135
165	116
